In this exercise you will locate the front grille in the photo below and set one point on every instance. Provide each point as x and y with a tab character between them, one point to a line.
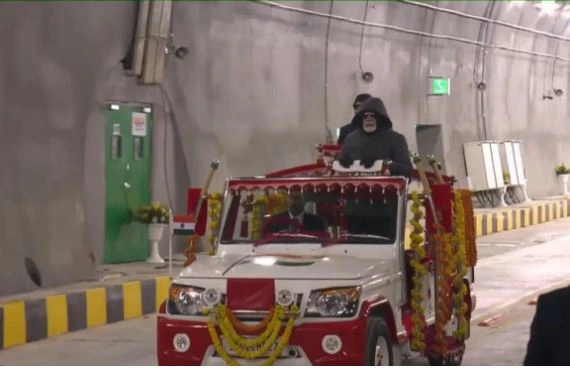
290	352
257	316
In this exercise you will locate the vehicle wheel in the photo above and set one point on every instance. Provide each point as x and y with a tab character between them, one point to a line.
379	350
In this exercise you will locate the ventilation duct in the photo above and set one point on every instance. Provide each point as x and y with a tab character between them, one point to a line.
153	28
140	38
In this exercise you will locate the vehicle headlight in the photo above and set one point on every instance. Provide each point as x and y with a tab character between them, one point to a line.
186	300
334	302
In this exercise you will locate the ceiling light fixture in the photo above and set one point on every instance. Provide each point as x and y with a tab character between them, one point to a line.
547	6
515	3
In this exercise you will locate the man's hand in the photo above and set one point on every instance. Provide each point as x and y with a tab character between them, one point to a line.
345	162
368	162
386	172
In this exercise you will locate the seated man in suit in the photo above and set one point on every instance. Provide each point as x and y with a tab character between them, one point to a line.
549	340
285	221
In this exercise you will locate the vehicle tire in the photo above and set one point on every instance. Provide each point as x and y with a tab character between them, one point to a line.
379	346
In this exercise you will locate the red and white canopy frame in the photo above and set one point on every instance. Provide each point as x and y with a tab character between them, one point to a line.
327	153
336	184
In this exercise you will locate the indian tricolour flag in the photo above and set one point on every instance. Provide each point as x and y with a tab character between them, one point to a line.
183	225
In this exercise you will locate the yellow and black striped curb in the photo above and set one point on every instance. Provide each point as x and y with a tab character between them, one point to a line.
499	220
26	321
517	218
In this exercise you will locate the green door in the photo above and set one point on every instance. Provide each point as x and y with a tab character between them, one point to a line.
127	181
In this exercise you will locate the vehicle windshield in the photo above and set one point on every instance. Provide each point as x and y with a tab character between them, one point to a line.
264	216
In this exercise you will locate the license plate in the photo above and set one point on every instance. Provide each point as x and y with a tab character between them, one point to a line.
271	349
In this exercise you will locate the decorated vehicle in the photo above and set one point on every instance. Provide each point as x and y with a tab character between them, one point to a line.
309	267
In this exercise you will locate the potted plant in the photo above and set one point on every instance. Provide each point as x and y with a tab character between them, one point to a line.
156	215
563	173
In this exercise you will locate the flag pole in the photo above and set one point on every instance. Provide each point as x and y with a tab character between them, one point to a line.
170	244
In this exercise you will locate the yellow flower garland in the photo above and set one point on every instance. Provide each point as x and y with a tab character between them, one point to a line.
271	204
214	209
258	207
443	253
461	268
241	346
418	318
277	202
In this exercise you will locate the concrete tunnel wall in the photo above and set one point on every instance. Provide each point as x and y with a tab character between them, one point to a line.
251	93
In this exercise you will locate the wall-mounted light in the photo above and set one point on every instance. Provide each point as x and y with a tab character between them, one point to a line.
548	6
179	51
367	77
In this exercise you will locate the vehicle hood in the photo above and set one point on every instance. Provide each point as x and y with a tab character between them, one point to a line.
285	267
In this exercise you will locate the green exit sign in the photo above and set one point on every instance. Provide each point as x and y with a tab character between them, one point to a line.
439	86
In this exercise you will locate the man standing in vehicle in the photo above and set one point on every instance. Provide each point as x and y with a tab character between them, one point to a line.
375	140
350	127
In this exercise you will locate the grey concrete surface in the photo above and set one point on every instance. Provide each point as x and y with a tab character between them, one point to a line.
507	241
252	92
133	343
503	345
499	287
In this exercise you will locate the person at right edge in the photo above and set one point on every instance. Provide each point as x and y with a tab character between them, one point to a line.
549	342
376	140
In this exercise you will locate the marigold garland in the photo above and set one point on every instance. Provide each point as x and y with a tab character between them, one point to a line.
261	344
461	268
470	234
214	209
416	240
277	202
190	251
250	329
258	207
271	204
443	254
243	347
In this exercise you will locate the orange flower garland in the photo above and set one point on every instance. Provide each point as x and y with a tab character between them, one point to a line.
470	235
443	254
250	329
460	268
190	251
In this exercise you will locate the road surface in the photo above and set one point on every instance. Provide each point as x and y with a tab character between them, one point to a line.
513	266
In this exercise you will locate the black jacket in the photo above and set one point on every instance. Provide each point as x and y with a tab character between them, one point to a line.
345	131
311	222
549	342
383	144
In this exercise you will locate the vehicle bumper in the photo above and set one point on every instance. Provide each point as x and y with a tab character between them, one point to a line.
306	341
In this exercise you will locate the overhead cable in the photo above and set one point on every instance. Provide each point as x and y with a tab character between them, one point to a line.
485	19
409	31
